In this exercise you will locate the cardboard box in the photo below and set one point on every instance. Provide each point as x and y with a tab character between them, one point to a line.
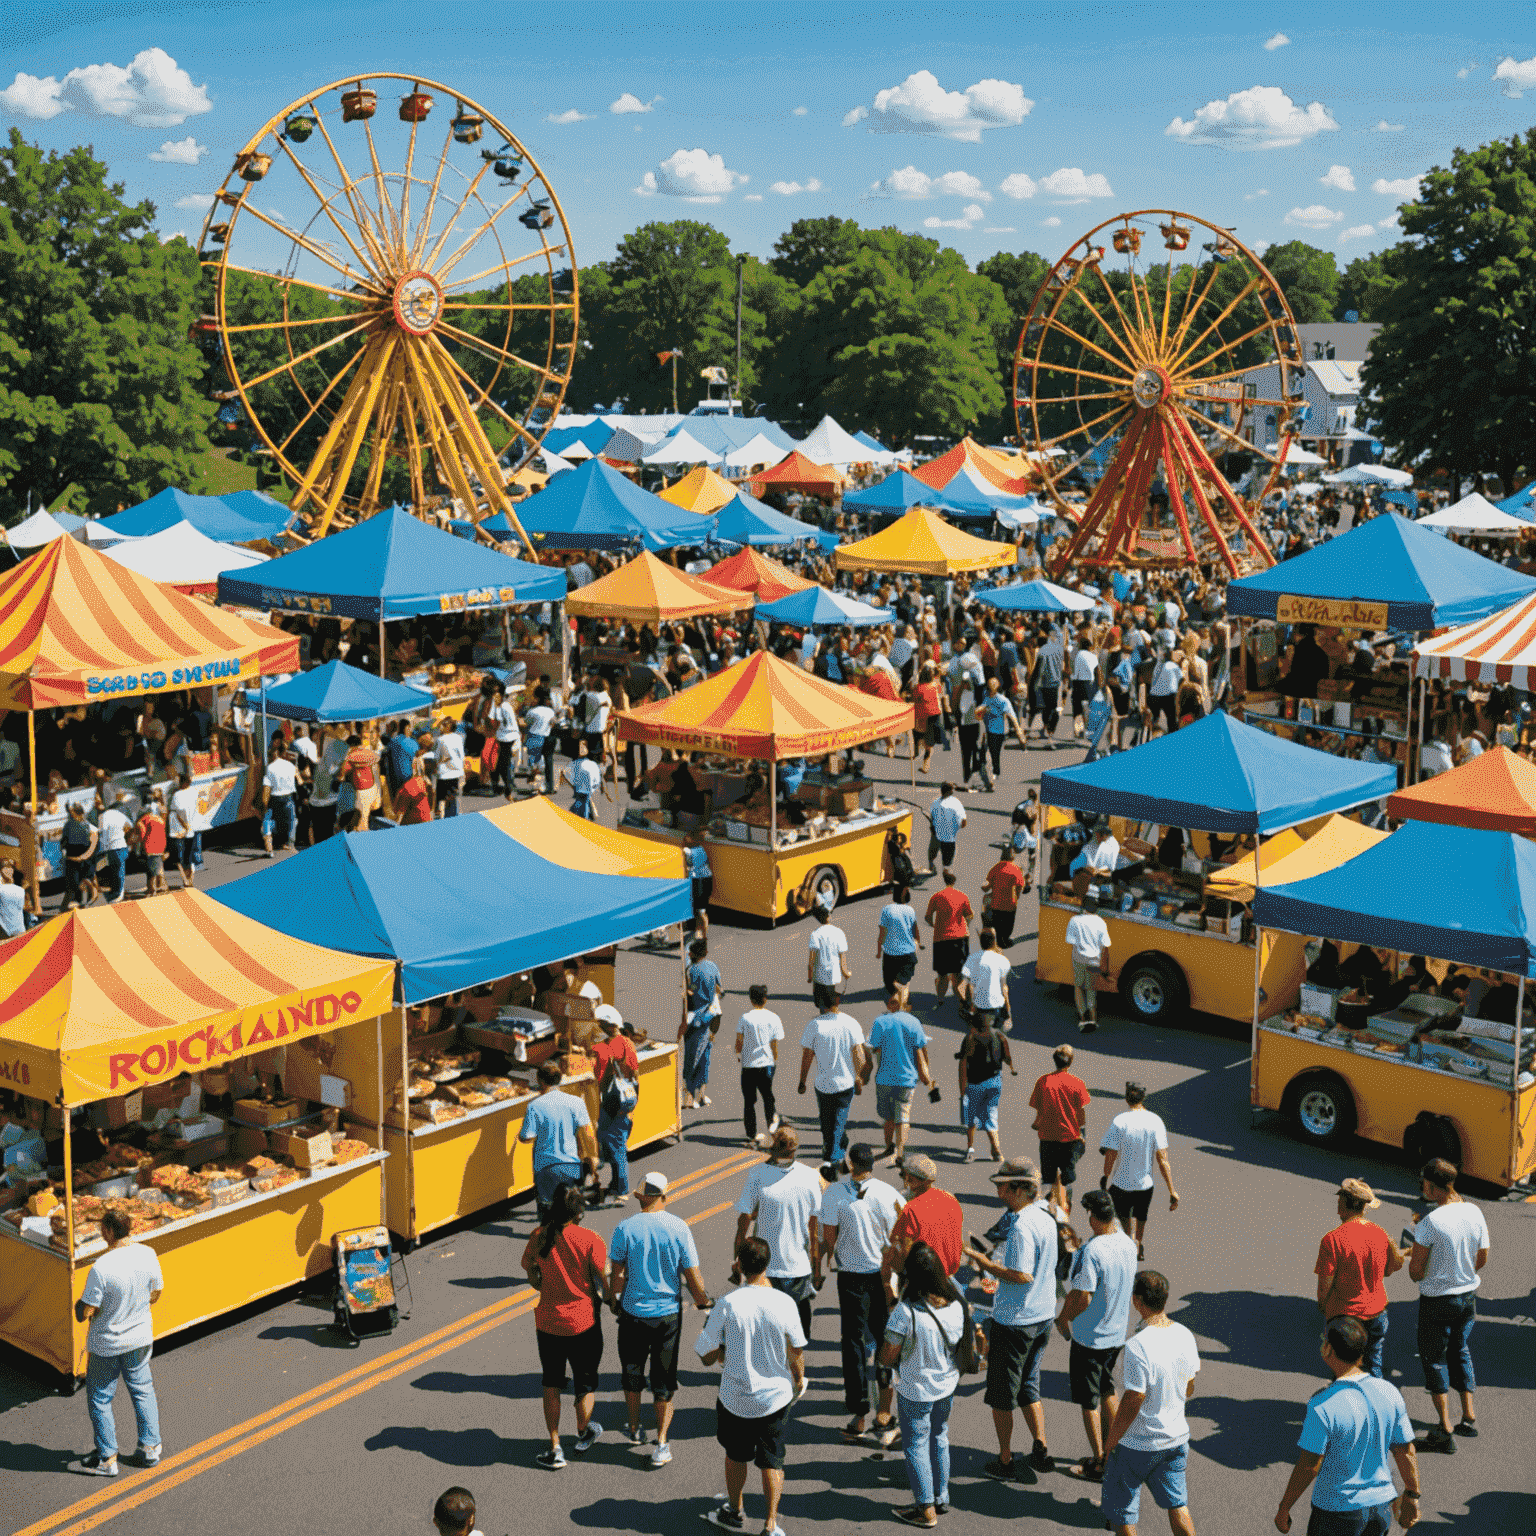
264	1112
246	1141
114	1114
310	1151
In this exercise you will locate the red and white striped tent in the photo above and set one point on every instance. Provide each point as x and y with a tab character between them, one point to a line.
1498	649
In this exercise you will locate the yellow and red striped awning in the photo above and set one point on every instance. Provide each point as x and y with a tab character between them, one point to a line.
77	628
97	1003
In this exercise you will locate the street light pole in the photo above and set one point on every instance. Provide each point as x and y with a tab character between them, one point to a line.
740	394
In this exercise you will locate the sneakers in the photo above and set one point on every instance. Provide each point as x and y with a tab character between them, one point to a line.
1437	1439
588	1438
704	1099
1041	1459
1087	1026
970	1154
1467	1429
146	1456
553	1459
636	1440
726	1518
94	1466
774	1128
661	1454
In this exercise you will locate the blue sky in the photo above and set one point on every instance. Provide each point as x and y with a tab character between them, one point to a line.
991	127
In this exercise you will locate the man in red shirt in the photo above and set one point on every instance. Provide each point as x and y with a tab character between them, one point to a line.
1003	883
1353	1262
931	1215
1060	1103
616	1070
949	914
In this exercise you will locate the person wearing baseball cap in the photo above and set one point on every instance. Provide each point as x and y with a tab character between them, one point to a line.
616	1070
931	1215
1353	1262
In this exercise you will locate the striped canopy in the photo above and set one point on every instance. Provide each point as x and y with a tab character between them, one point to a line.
1498	649
78	628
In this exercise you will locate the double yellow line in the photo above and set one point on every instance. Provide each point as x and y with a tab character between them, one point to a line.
111	1501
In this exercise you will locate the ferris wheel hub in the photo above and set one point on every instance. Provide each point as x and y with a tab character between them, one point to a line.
418	302
1151	387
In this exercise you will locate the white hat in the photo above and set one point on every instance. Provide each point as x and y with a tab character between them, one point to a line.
606	1013
655	1181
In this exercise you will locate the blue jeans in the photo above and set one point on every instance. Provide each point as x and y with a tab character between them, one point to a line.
541	749
117	871
101	1373
1445	1326
925	1446
1127	1469
613	1147
581	805
1375	1341
284	820
834	1109
548	1179
981	1103
696	1044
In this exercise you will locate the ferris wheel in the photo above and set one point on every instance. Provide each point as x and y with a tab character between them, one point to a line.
1159	354
393	298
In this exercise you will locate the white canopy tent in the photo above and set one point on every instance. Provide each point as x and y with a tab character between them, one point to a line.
759	450
1369	474
35	531
1012	511
830	444
1297	457
1476	514
181	556
683	448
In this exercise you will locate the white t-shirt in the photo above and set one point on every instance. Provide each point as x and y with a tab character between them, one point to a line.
504	718
1166	679
926	1371
13	910
281	777
828	941
1160	1363
182	820
1085	666
119	1287
757	1326
1101	857
450	755
112	830
595	710
1138	1136
540	720
987	971
832	1036
785	1197
303	746
1453	1233
863	1222
1088	937
946	816
758	1028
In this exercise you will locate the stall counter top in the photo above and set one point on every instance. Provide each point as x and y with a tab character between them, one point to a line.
1270	1027
1110	914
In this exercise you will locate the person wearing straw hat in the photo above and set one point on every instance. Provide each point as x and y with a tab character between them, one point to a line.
1353	1262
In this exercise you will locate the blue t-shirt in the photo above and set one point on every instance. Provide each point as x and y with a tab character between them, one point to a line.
996	710
898	1037
703	983
551	1123
698	864
402	753
898	922
1353	1425
1030	1247
1105	1267
653	1246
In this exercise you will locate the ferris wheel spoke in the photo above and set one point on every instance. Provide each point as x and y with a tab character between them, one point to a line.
441	269
350	190
286	324
1085	426
1083	457
1234	438
1167	302
1126	372
1228	346
472	190
482	455
1140	303
506	266
320	399
1193	306
304	357
1071	371
1246	291
543	309
1108	394
293	282
439	417
419	238
389	222
1121	338
316	250
506	418
368	264
489	349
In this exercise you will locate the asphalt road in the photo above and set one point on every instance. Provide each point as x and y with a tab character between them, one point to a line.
271	1424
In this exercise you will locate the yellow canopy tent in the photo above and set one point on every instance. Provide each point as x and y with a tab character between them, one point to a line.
921	543
554	834
1295	855
649	591
700	490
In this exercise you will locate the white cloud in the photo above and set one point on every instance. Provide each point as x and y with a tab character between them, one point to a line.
185	151
694	175
1339	177
1018	186
801	111
1518	75
753	197
1391	222
1279	40
629	102
1262	117
196	200
1405	187
1258	247
154	91
1315	216
1070	185
1466	69
969	217
1248	197
909	182
1051	223
998	229
573	116
921	105
1356	232
789	188
1385	127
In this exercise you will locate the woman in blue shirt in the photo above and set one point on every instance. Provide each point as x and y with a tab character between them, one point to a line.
696	860
897	943
701	1018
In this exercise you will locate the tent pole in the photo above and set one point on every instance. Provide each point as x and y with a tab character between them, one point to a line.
32	881
773	804
69	1186
378	1057
565	649
261	756
912	757
1418	761
1514	1080
381	648
1240	691
1258	954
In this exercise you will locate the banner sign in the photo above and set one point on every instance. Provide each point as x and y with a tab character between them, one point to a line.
1337	613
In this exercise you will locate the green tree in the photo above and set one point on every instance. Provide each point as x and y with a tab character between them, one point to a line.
1365	282
1308	277
1452	373
809	246
99	383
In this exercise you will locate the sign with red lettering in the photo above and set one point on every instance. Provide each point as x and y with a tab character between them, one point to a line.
1334	612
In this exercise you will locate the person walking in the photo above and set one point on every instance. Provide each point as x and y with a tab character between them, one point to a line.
857	1218
585	776
925	1329
1049	663
755	1334
929	706
652	1257
982	1058
1355	1428
897	941
1353	1262
121	1288
1001	887
501	725
783	1198
448	766
616	1071
1024	1265
702	1008
150	839
1060	1102
539	718
950	916
1135	1141
568	1266
984	980
946	816
1085	679
1095	1319
1148	1442
898	1057
826	966
758	1032
966	685
78	842
1450	1248
997	715
701	879
558	1125
833	1042
279	786
181	824
1088	939
931	1215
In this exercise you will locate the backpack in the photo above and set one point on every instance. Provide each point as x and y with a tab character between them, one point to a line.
620	1095
360	775
963	1351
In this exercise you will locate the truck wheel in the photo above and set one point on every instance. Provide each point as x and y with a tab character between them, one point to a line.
824	888
1155	989
1324	1109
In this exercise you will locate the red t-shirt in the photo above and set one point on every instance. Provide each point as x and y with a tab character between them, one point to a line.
949	910
570	1276
1060	1102
616	1049
925	701
1005	880
935	1218
1356	1253
151	830
413	804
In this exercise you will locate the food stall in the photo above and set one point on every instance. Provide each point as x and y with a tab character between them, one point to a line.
141	1049
830	834
484	932
1178	939
1445	1069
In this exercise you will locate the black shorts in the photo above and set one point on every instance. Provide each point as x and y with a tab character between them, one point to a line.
1013	1365
932	732
949	956
756	1440
1130	1204
702	891
1059	1156
1091	1373
1120	698
583	1352
653	1340
894	968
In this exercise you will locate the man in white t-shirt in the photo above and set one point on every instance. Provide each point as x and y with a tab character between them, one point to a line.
1088	939
1148	1443
303	746
834	1043
783	1197
946	816
757	1336
758	1032
1450	1248
13	903
278	788
1085	679
1135	1142
984	979
182	828
448	771
113	827
826	965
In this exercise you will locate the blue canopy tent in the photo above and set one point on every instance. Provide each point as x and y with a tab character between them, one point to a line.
1219	775
1521	504
456	903
817	605
1405	499
339	692
595	507
902	490
1034	597
593	437
870	442
746	520
242	517
1421	580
